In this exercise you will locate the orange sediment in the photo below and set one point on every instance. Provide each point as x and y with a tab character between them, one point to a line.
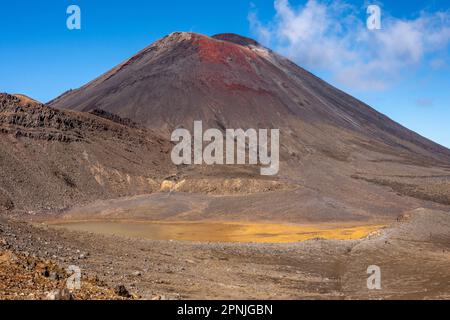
206	231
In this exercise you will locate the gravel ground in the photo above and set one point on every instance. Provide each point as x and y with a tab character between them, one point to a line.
413	254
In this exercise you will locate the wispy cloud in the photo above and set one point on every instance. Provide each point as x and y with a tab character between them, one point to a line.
424	102
332	37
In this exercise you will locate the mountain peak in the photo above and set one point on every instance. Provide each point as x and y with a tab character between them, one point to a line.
235	38
226	37
228	80
221	48
179	35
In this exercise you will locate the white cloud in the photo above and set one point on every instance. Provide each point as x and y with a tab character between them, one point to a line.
438	63
424	102
332	37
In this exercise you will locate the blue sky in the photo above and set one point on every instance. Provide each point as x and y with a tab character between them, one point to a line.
402	70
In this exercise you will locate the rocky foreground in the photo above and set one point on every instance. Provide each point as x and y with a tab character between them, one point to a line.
24	277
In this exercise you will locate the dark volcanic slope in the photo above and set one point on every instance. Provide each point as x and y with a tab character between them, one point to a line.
54	158
343	159
231	81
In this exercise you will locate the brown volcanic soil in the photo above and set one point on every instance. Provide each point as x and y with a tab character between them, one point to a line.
23	277
52	160
413	254
55	159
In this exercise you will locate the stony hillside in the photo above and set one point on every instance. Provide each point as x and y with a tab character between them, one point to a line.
54	159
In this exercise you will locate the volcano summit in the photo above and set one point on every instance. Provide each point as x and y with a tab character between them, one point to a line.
344	159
